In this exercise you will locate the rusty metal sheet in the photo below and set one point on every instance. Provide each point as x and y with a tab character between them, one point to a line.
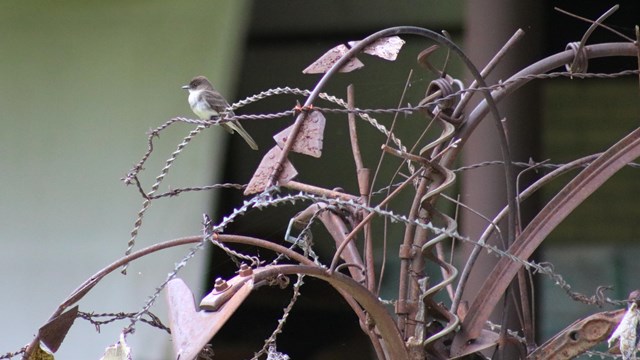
53	332
386	48
269	162
326	61
191	329
486	340
310	136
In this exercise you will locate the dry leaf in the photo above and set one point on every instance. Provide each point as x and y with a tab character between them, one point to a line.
626	333
118	351
41	353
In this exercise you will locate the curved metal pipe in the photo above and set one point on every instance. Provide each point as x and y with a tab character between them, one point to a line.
472	324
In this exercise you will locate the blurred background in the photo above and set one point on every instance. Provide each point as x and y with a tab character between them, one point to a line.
83	82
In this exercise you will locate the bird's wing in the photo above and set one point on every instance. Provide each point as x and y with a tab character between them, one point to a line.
215	101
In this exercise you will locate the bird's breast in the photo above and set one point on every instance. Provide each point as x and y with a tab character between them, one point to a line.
199	106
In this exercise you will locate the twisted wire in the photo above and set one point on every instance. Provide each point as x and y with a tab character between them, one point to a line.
274	201
500	85
147	201
10	355
153	319
271	341
581	59
178	191
334	99
445	178
192	252
539	268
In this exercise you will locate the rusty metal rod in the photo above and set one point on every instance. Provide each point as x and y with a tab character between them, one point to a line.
368	218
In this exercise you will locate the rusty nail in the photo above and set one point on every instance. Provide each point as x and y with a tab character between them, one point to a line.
245	270
220	285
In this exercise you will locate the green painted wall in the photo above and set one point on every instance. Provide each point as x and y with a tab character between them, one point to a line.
81	83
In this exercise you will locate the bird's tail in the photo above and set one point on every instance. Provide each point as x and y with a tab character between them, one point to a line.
235	126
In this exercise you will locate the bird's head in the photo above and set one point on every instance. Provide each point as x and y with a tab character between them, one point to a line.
198	83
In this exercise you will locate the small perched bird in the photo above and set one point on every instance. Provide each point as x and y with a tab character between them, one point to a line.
207	103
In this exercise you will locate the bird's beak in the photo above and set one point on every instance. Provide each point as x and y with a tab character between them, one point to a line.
186	87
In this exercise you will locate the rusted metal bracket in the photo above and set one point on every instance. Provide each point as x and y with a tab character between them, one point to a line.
192	328
579	336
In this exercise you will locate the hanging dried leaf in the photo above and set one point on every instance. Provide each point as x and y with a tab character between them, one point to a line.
326	61
310	136
269	162
191	330
41	353
274	354
53	332
626	333
118	351
386	48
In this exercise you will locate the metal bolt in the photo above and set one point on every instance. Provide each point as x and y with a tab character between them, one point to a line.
245	270
220	285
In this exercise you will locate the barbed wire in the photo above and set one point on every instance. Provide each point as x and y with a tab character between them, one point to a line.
540	268
165	170
211	233
363	113
383	190
412	109
209	236
10	355
131	176
542	164
267	199
530	164
112	317
178	191
152	299
602	354
514	334
206	353
271	341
